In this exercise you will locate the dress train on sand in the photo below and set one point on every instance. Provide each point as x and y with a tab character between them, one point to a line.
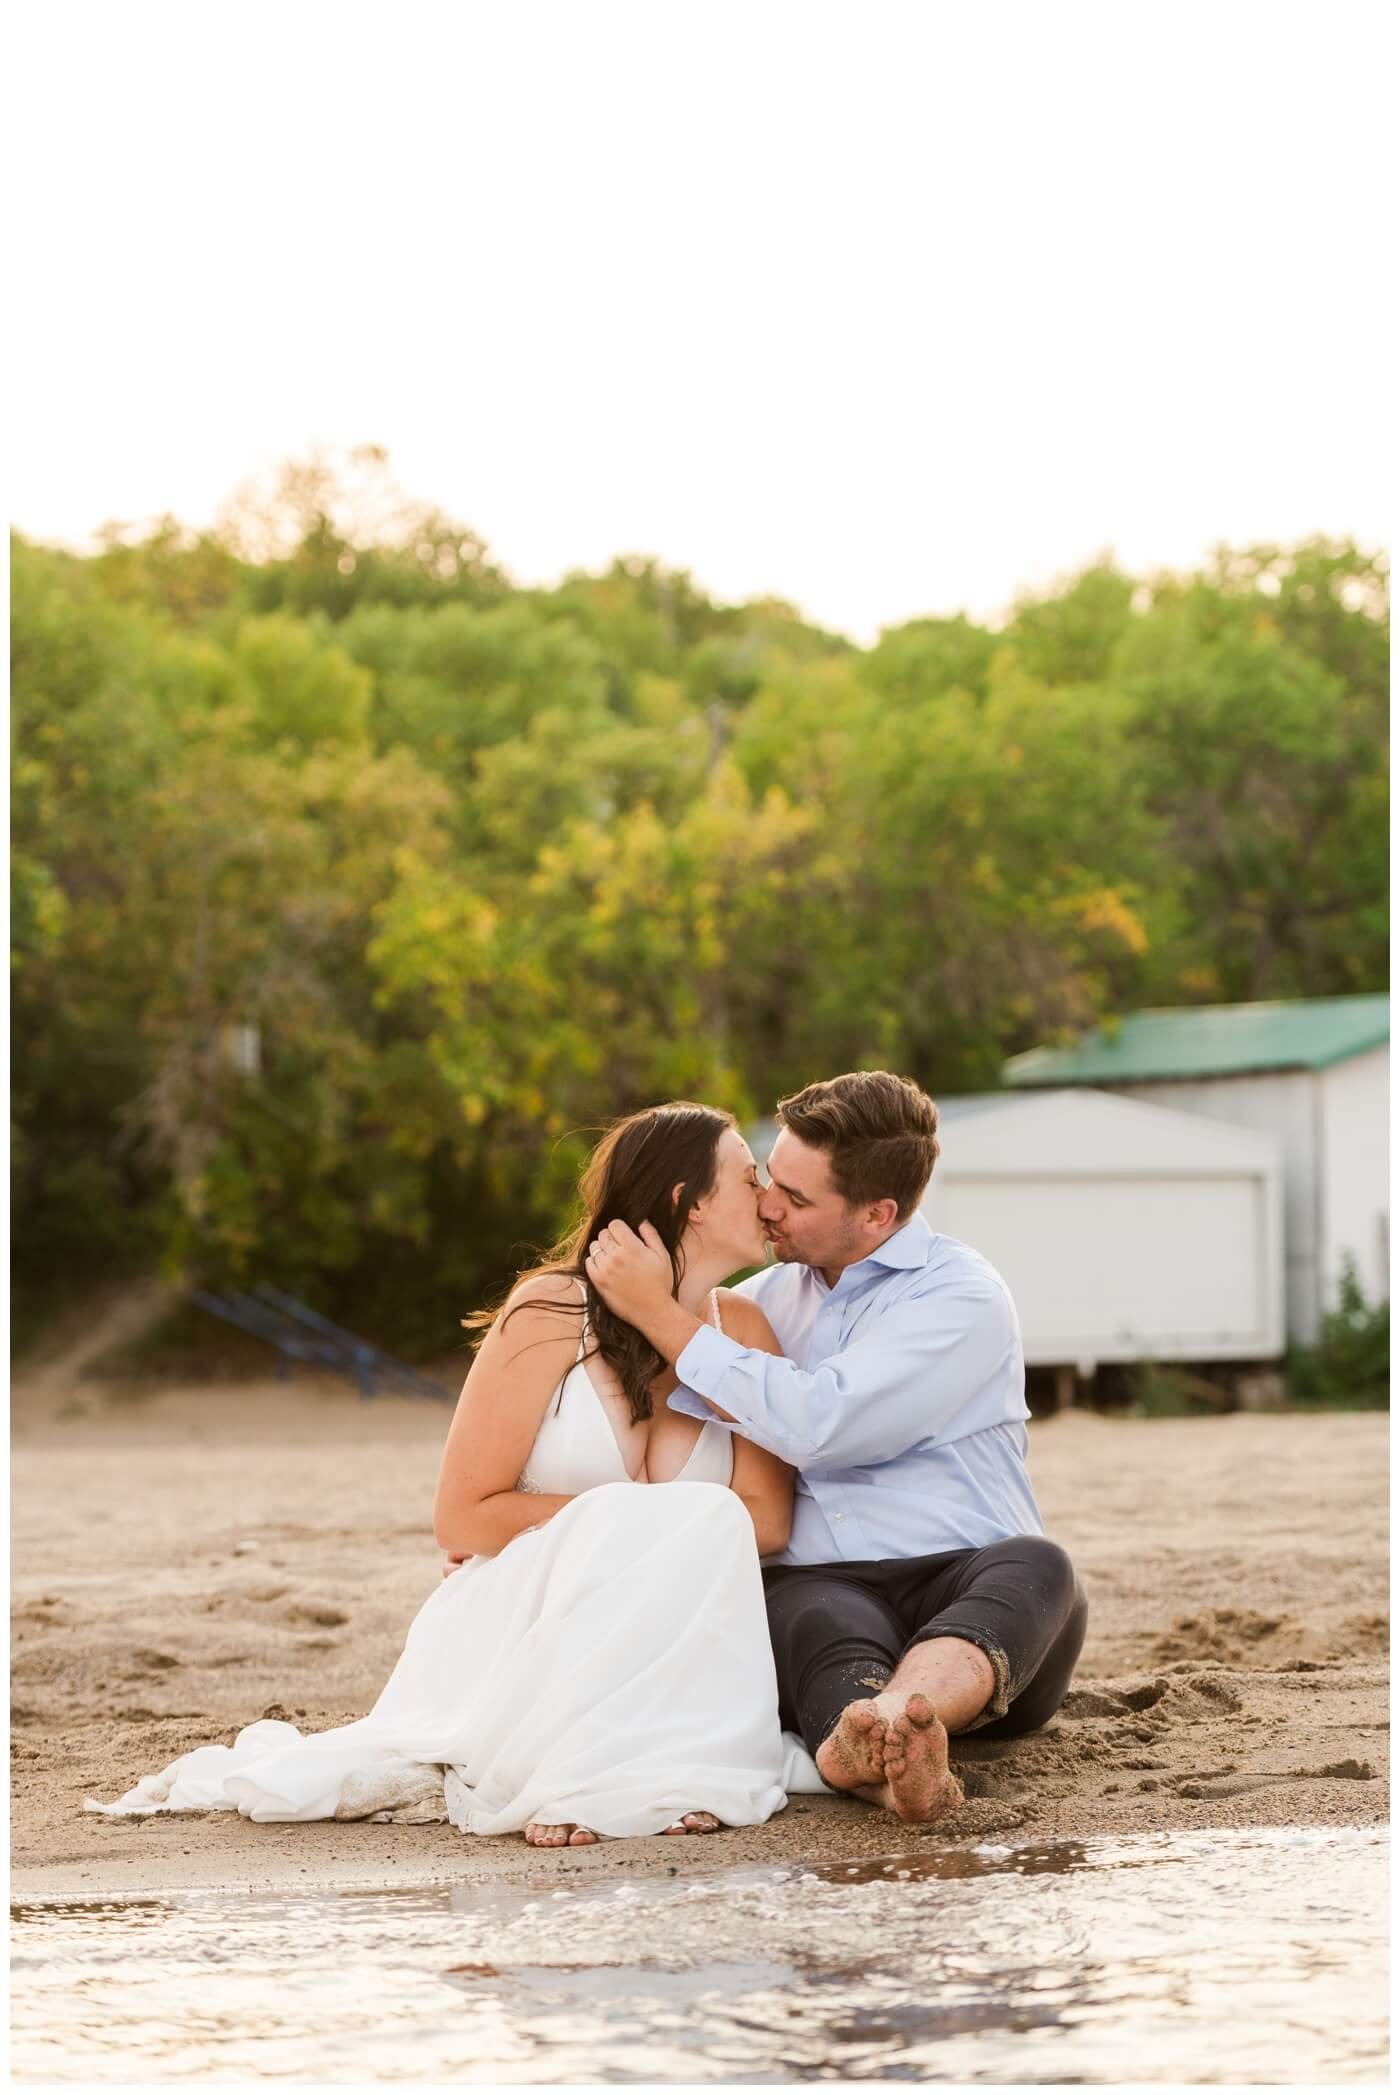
611	1669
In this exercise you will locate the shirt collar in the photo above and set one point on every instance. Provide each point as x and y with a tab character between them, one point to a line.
907	1247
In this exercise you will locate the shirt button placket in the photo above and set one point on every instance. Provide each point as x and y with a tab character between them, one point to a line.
826	1340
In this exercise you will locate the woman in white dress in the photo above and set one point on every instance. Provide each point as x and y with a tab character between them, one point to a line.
597	1661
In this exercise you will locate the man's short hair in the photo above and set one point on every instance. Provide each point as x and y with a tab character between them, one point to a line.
880	1133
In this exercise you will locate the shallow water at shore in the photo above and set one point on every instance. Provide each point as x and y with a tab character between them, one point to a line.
1245	1955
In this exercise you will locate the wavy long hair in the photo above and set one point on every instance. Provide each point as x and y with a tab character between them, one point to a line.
630	1178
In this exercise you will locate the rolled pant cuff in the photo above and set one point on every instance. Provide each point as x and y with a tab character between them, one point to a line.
1000	1700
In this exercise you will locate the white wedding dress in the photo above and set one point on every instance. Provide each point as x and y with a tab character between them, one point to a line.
610	1669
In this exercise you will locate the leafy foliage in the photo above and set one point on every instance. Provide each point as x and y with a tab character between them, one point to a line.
354	888
1348	1369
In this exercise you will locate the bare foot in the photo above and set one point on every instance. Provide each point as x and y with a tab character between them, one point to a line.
853	1755
541	1836
918	1783
695	1822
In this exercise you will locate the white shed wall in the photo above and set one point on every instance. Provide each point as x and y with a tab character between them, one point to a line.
1355	1176
1125	1267
1278	1103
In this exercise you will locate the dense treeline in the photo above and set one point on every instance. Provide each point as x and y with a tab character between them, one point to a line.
353	885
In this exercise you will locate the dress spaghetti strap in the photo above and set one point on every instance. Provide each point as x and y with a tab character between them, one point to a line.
582	1349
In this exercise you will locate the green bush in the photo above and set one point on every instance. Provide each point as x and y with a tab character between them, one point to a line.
1166	1389
1349	1367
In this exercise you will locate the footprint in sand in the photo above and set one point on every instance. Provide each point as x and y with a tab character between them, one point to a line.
1147	1694
1364	1636
1129	1700
1217	1695
1226	1783
1219	1633
319	1613
41	1614
982	1816
983	1782
148	1661
1092	1702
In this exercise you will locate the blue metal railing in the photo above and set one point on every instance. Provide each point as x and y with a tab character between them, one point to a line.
302	1334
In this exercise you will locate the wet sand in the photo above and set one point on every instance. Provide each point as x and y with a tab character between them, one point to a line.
187	1560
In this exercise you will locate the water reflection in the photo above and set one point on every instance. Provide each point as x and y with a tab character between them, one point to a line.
953	1864
130	1912
1252	1955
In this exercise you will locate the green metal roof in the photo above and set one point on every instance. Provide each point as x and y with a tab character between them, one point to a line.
1221	1040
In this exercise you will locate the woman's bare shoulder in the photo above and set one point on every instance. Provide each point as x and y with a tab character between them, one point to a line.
745	1321
546	1287
538	1308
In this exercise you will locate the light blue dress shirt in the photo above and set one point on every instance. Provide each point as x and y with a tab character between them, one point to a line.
901	1400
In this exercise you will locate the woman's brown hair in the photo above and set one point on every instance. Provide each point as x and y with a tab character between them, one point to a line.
630	1178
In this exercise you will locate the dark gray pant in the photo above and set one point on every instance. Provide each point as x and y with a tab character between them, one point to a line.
839	1630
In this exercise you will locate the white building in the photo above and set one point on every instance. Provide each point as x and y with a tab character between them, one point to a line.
1315	1074
1125	1232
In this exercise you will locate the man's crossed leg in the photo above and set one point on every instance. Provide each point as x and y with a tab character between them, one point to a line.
879	1662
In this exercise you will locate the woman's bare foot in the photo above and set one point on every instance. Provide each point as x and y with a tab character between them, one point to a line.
918	1784
538	1835
852	1756
695	1822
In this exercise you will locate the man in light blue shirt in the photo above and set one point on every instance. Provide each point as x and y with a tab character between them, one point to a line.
918	1565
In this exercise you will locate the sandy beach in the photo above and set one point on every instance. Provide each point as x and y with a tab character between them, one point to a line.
188	1559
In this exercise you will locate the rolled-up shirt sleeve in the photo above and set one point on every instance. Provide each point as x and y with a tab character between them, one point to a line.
904	1384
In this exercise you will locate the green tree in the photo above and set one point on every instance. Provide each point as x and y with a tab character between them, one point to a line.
336	532
928	656
1070	635
979	875
451	682
186	575
352	888
603	980
304	691
1267	772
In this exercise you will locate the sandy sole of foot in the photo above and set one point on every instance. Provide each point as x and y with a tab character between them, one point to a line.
189	1560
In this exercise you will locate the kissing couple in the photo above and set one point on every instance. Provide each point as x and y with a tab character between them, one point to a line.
710	1546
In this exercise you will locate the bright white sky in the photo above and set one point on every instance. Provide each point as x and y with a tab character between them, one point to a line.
888	309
